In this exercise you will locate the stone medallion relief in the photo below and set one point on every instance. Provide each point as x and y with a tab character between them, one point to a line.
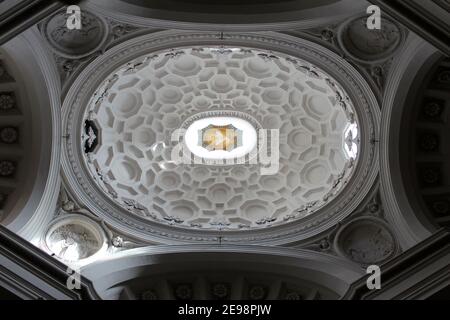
369	45
75	43
366	240
74	238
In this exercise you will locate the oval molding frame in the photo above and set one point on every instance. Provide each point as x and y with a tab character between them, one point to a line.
88	194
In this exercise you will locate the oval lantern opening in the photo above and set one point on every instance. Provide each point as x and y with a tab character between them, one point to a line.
221	138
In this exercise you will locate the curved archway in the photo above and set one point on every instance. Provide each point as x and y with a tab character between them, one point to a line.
227	15
137	273
426	132
40	98
402	211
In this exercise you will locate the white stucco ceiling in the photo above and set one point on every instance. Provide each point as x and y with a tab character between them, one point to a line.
133	113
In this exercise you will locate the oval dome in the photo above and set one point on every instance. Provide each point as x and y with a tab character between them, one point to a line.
130	119
157	94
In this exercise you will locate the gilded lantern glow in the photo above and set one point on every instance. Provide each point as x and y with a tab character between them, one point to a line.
224	138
